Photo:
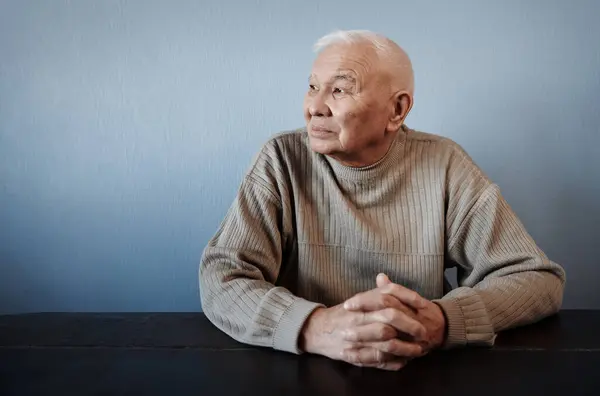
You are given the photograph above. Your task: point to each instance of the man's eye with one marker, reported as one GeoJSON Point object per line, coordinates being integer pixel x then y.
{"type": "Point", "coordinates": [339, 91]}
{"type": "Point", "coordinates": [312, 87]}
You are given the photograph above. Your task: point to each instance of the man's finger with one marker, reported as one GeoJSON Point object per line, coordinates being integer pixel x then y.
{"type": "Point", "coordinates": [365, 356]}
{"type": "Point", "coordinates": [397, 319]}
{"type": "Point", "coordinates": [370, 332]}
{"type": "Point", "coordinates": [382, 280]}
{"type": "Point", "coordinates": [371, 357]}
{"type": "Point", "coordinates": [405, 295]}
{"type": "Point", "coordinates": [399, 348]}
{"type": "Point", "coordinates": [374, 300]}
{"type": "Point", "coordinates": [393, 365]}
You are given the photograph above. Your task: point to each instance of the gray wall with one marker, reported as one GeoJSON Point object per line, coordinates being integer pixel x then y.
{"type": "Point", "coordinates": [125, 128]}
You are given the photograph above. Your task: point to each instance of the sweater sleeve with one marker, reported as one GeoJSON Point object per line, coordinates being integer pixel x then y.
{"type": "Point", "coordinates": [505, 280]}
{"type": "Point", "coordinates": [238, 270]}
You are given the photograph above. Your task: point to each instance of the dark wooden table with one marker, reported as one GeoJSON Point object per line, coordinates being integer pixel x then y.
{"type": "Point", "coordinates": [183, 354]}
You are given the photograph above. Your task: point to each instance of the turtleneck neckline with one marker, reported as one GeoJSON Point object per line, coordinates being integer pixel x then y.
{"type": "Point", "coordinates": [378, 168]}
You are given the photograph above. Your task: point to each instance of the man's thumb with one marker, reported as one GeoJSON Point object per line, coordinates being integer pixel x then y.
{"type": "Point", "coordinates": [382, 280]}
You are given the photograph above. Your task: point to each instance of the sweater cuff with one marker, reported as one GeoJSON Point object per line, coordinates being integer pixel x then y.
{"type": "Point", "coordinates": [291, 323]}
{"type": "Point", "coordinates": [467, 322]}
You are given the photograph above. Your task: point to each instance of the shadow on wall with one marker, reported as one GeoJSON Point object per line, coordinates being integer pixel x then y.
{"type": "Point", "coordinates": [577, 212]}
{"type": "Point", "coordinates": [21, 289]}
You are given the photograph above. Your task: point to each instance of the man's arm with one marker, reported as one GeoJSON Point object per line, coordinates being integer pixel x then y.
{"type": "Point", "coordinates": [237, 275]}
{"type": "Point", "coordinates": [505, 279]}
{"type": "Point", "coordinates": [239, 268]}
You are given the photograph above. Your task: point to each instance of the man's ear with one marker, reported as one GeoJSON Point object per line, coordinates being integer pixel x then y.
{"type": "Point", "coordinates": [402, 101]}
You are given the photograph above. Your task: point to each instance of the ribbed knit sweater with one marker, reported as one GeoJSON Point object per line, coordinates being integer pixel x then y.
{"type": "Point", "coordinates": [305, 231]}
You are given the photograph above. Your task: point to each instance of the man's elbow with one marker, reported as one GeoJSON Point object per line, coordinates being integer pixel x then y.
{"type": "Point", "coordinates": [206, 289]}
{"type": "Point", "coordinates": [555, 287]}
{"type": "Point", "coordinates": [210, 308]}
{"type": "Point", "coordinates": [204, 305]}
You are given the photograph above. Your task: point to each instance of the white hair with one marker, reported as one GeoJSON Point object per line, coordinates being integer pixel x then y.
{"type": "Point", "coordinates": [350, 37]}
{"type": "Point", "coordinates": [387, 50]}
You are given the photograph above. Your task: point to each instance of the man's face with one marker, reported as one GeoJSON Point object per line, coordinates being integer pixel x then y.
{"type": "Point", "coordinates": [347, 106]}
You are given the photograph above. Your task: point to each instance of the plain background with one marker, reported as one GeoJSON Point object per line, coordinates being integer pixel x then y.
{"type": "Point", "coordinates": [126, 127]}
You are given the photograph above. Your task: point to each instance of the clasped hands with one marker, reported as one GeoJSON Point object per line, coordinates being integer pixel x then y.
{"type": "Point", "coordinates": [384, 327]}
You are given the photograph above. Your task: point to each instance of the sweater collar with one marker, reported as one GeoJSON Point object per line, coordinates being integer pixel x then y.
{"type": "Point", "coordinates": [372, 171]}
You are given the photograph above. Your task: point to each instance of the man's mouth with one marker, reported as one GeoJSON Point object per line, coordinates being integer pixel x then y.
{"type": "Point", "coordinates": [318, 131]}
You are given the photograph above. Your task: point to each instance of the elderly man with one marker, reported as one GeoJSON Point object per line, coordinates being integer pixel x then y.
{"type": "Point", "coordinates": [338, 239]}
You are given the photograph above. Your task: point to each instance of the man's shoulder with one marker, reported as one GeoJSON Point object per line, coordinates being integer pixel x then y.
{"type": "Point", "coordinates": [445, 149]}
{"type": "Point", "coordinates": [285, 144]}
{"type": "Point", "coordinates": [279, 151]}
{"type": "Point", "coordinates": [287, 137]}
{"type": "Point", "coordinates": [436, 142]}
{"type": "Point", "coordinates": [448, 153]}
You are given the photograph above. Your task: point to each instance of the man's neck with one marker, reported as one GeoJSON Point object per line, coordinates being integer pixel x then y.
{"type": "Point", "coordinates": [370, 155]}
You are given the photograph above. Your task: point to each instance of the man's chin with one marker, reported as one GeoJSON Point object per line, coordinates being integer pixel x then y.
{"type": "Point", "coordinates": [322, 146]}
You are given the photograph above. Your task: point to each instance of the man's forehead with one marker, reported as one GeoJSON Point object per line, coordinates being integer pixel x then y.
{"type": "Point", "coordinates": [348, 62]}
{"type": "Point", "coordinates": [347, 53]}
{"type": "Point", "coordinates": [338, 74]}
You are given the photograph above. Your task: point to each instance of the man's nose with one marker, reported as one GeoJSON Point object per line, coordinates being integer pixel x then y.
{"type": "Point", "coordinates": [318, 106]}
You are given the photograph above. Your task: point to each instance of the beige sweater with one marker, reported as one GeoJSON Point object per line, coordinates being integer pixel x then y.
{"type": "Point", "coordinates": [306, 231]}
